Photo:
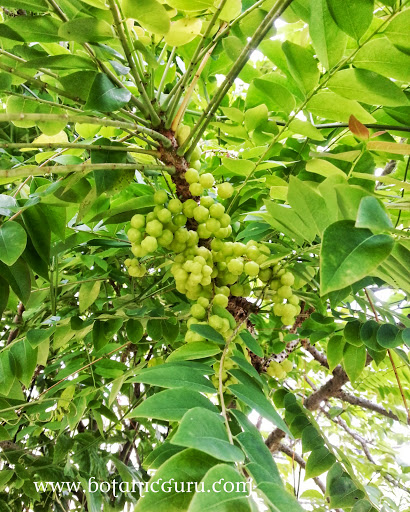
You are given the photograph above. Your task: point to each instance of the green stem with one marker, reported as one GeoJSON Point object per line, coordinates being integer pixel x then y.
{"type": "Point", "coordinates": [41, 85]}
{"type": "Point", "coordinates": [28, 170]}
{"type": "Point", "coordinates": [87, 120]}
{"type": "Point", "coordinates": [237, 67]}
{"type": "Point", "coordinates": [45, 102]}
{"type": "Point", "coordinates": [164, 75]}
{"type": "Point", "coordinates": [193, 62]}
{"type": "Point", "coordinates": [126, 45]}
{"type": "Point", "coordinates": [73, 145]}
{"type": "Point", "coordinates": [23, 61]}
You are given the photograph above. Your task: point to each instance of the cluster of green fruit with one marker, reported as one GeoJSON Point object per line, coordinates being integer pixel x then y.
{"type": "Point", "coordinates": [229, 364]}
{"type": "Point", "coordinates": [279, 370]}
{"type": "Point", "coordinates": [207, 267]}
{"type": "Point", "coordinates": [286, 305]}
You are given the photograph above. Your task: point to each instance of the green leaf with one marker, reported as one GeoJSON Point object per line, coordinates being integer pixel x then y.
{"type": "Point", "coordinates": [205, 431]}
{"type": "Point", "coordinates": [208, 333]}
{"type": "Point", "coordinates": [381, 56]}
{"type": "Point", "coordinates": [186, 466]}
{"type": "Point", "coordinates": [237, 166]}
{"type": "Point", "coordinates": [134, 330]}
{"type": "Point", "coordinates": [398, 30]}
{"type": "Point", "coordinates": [249, 392]}
{"type": "Point", "coordinates": [251, 343]}
{"type": "Point", "coordinates": [105, 97]}
{"type": "Point", "coordinates": [37, 336]}
{"type": "Point", "coordinates": [190, 5]}
{"type": "Point", "coordinates": [305, 128]}
{"type": "Point", "coordinates": [363, 506]}
{"type": "Point", "coordinates": [302, 66]}
{"type": "Point", "coordinates": [319, 461]}
{"type": "Point", "coordinates": [368, 334]}
{"type": "Point", "coordinates": [154, 329]}
{"type": "Point", "coordinates": [60, 62]}
{"type": "Point", "coordinates": [86, 30]}
{"type": "Point", "coordinates": [150, 14]}
{"type": "Point", "coordinates": [367, 87]}
{"type": "Point", "coordinates": [174, 376]}
{"type": "Point", "coordinates": [328, 40]}
{"type": "Point", "coordinates": [88, 294]}
{"type": "Point", "coordinates": [334, 351]}
{"type": "Point", "coordinates": [278, 499]}
{"type": "Point", "coordinates": [4, 294]}
{"type": "Point", "coordinates": [349, 254]}
{"type": "Point", "coordinates": [329, 105]}
{"type": "Point", "coordinates": [223, 499]}
{"type": "Point", "coordinates": [341, 489]}
{"type": "Point", "coordinates": [183, 31]}
{"type": "Point", "coordinates": [372, 215]}
{"type": "Point", "coordinates": [6, 373]}
{"type": "Point", "coordinates": [311, 439]}
{"type": "Point", "coordinates": [171, 404]}
{"type": "Point", "coordinates": [23, 359]}
{"type": "Point", "coordinates": [354, 360]}
{"type": "Point", "coordinates": [324, 168]}
{"type": "Point", "coordinates": [31, 29]}
{"type": "Point", "coordinates": [389, 336]}
{"type": "Point", "coordinates": [110, 181]}
{"type": "Point", "coordinates": [18, 277]}
{"type": "Point", "coordinates": [258, 453]}
{"type": "Point", "coordinates": [255, 116]}
{"type": "Point", "coordinates": [308, 204]}
{"type": "Point", "coordinates": [274, 95]}
{"type": "Point", "coordinates": [351, 333]}
{"type": "Point", "coordinates": [28, 5]}
{"type": "Point", "coordinates": [195, 350]}
{"type": "Point", "coordinates": [13, 240]}
{"type": "Point", "coordinates": [38, 228]}
{"type": "Point", "coordinates": [353, 16]}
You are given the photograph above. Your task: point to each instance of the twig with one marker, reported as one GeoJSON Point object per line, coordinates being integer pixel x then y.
{"type": "Point", "coordinates": [26, 170]}
{"type": "Point", "coordinates": [92, 147]}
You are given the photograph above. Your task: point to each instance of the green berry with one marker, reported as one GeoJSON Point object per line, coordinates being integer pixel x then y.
{"type": "Point", "coordinates": [212, 225]}
{"type": "Point", "coordinates": [196, 153]}
{"type": "Point", "coordinates": [236, 266]}
{"type": "Point", "coordinates": [198, 311]}
{"type": "Point", "coordinates": [251, 268]}
{"type": "Point", "coordinates": [285, 292]}
{"type": "Point", "coordinates": [164, 216]}
{"type": "Point", "coordinates": [160, 197]}
{"type": "Point", "coordinates": [154, 228]}
{"type": "Point", "coordinates": [216, 210]}
{"type": "Point", "coordinates": [189, 207]}
{"type": "Point", "coordinates": [225, 190]}
{"type": "Point", "coordinates": [196, 189]}
{"type": "Point", "coordinates": [201, 214]}
{"type": "Point", "coordinates": [138, 221]}
{"type": "Point", "coordinates": [192, 176]}
{"type": "Point", "coordinates": [287, 279]}
{"type": "Point", "coordinates": [207, 180]}
{"type": "Point", "coordinates": [221, 300]}
{"type": "Point", "coordinates": [204, 302]}
{"type": "Point", "coordinates": [149, 244]}
{"type": "Point", "coordinates": [237, 290]}
{"type": "Point", "coordinates": [180, 220]}
{"type": "Point", "coordinates": [175, 206]}
{"type": "Point", "coordinates": [134, 235]}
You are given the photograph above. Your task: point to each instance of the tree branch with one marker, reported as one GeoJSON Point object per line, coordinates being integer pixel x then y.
{"type": "Point", "coordinates": [365, 404]}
